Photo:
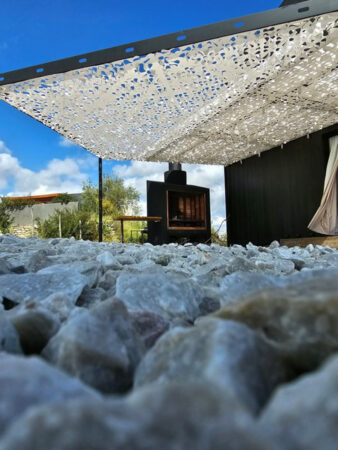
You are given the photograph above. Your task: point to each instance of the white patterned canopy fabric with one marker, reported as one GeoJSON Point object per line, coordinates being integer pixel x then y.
{"type": "Point", "coordinates": [214, 102]}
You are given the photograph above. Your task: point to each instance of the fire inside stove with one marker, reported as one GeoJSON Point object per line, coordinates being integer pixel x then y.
{"type": "Point", "coordinates": [186, 211]}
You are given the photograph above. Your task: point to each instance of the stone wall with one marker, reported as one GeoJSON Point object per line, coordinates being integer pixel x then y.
{"type": "Point", "coordinates": [22, 231]}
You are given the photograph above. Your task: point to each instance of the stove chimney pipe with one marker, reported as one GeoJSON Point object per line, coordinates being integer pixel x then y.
{"type": "Point", "coordinates": [175, 174]}
{"type": "Point", "coordinates": [175, 166]}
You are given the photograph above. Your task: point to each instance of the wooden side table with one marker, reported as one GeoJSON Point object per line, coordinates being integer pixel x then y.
{"type": "Point", "coordinates": [136, 219]}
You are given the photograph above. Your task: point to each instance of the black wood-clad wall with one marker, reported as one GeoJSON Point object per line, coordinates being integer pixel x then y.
{"type": "Point", "coordinates": [274, 196]}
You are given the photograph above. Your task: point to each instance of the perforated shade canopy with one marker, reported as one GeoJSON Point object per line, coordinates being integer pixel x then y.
{"type": "Point", "coordinates": [227, 92]}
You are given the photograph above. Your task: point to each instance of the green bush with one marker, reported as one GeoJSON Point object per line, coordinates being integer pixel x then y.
{"type": "Point", "coordinates": [64, 198]}
{"type": "Point", "coordinates": [118, 199]}
{"type": "Point", "coordinates": [134, 237]}
{"type": "Point", "coordinates": [5, 218]}
{"type": "Point", "coordinates": [8, 206]}
{"type": "Point", "coordinates": [220, 239]}
{"type": "Point", "coordinates": [16, 204]}
{"type": "Point", "coordinates": [72, 221]}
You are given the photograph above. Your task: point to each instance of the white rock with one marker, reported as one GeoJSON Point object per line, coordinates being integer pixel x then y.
{"type": "Point", "coordinates": [34, 324]}
{"type": "Point", "coordinates": [125, 259]}
{"type": "Point", "coordinates": [203, 247]}
{"type": "Point", "coordinates": [219, 353]}
{"type": "Point", "coordinates": [300, 315]}
{"type": "Point", "coordinates": [274, 244]}
{"type": "Point", "coordinates": [99, 346]}
{"type": "Point", "coordinates": [4, 267]}
{"type": "Point", "coordinates": [310, 248]}
{"type": "Point", "coordinates": [164, 294]}
{"type": "Point", "coordinates": [60, 305]}
{"type": "Point", "coordinates": [9, 339]}
{"type": "Point", "coordinates": [88, 269]}
{"type": "Point", "coordinates": [304, 415]}
{"type": "Point", "coordinates": [28, 381]}
{"type": "Point", "coordinates": [108, 261]}
{"type": "Point", "coordinates": [173, 417]}
{"type": "Point", "coordinates": [39, 286]}
{"type": "Point", "coordinates": [239, 284]}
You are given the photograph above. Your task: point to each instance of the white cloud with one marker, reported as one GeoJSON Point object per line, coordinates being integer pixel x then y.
{"type": "Point", "coordinates": [88, 161]}
{"type": "Point", "coordinates": [9, 167]}
{"type": "Point", "coordinates": [60, 175]}
{"type": "Point", "coordinates": [137, 173]}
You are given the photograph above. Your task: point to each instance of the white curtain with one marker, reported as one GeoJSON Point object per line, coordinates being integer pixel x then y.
{"type": "Point", "coordinates": [325, 221]}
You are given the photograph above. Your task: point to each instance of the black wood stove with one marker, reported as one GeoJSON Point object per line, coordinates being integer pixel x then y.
{"type": "Point", "coordinates": [185, 209]}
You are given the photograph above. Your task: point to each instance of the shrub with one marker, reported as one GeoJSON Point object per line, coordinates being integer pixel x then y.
{"type": "Point", "coordinates": [73, 223]}
{"type": "Point", "coordinates": [217, 238]}
{"type": "Point", "coordinates": [64, 198]}
{"type": "Point", "coordinates": [9, 205]}
{"type": "Point", "coordinates": [5, 218]}
{"type": "Point", "coordinates": [136, 238]}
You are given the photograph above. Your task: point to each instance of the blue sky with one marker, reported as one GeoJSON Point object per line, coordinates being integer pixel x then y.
{"type": "Point", "coordinates": [34, 159]}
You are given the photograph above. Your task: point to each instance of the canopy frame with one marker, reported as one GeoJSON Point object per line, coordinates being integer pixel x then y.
{"type": "Point", "coordinates": [283, 14]}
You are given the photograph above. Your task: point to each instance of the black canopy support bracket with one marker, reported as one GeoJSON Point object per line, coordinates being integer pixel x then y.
{"type": "Point", "coordinates": [284, 14]}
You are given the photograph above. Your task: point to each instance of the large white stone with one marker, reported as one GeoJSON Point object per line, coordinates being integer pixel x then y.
{"type": "Point", "coordinates": [220, 353]}
{"type": "Point", "coordinates": [34, 324]}
{"type": "Point", "coordinates": [304, 415]}
{"type": "Point", "coordinates": [88, 269]}
{"type": "Point", "coordinates": [173, 417]}
{"type": "Point", "coordinates": [29, 381]}
{"type": "Point", "coordinates": [167, 295]}
{"type": "Point", "coordinates": [38, 286]}
{"type": "Point", "coordinates": [108, 261]}
{"type": "Point", "coordinates": [100, 346]}
{"type": "Point", "coordinates": [302, 317]}
{"type": "Point", "coordinates": [9, 339]}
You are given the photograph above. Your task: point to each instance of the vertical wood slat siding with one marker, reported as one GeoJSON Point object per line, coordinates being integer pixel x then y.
{"type": "Point", "coordinates": [274, 196]}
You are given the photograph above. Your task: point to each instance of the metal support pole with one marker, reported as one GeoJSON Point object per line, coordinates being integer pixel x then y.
{"type": "Point", "coordinates": [228, 195]}
{"type": "Point", "coordinates": [122, 238]}
{"type": "Point", "coordinates": [100, 200]}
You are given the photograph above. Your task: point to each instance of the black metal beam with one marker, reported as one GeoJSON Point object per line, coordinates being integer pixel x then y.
{"type": "Point", "coordinates": [100, 201]}
{"type": "Point", "coordinates": [302, 10]}
{"type": "Point", "coordinates": [290, 2]}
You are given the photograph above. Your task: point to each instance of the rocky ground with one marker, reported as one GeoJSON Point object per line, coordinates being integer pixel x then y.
{"type": "Point", "coordinates": [112, 346]}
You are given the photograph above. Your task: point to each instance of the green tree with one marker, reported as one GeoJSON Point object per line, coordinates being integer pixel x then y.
{"type": "Point", "coordinates": [118, 199]}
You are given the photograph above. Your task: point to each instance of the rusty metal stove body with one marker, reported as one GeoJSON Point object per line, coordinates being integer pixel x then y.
{"type": "Point", "coordinates": [185, 209]}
